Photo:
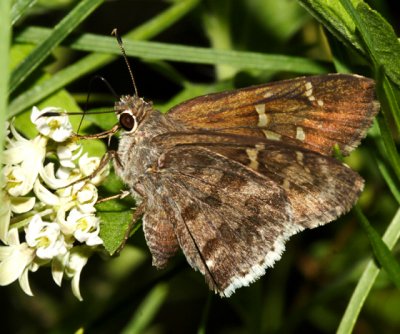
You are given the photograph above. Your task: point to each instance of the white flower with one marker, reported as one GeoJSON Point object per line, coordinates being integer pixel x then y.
{"type": "Point", "coordinates": [44, 195]}
{"type": "Point", "coordinates": [88, 165]}
{"type": "Point", "coordinates": [87, 197]}
{"type": "Point", "coordinates": [11, 205]}
{"type": "Point", "coordinates": [45, 237]}
{"type": "Point", "coordinates": [53, 182]}
{"type": "Point", "coordinates": [68, 152]}
{"type": "Point", "coordinates": [23, 160]}
{"type": "Point", "coordinates": [57, 128]}
{"type": "Point", "coordinates": [22, 204]}
{"type": "Point", "coordinates": [84, 226]}
{"type": "Point", "coordinates": [53, 207]}
{"type": "Point", "coordinates": [77, 260]}
{"type": "Point", "coordinates": [5, 215]}
{"type": "Point", "coordinates": [15, 261]}
{"type": "Point", "coordinates": [58, 266]}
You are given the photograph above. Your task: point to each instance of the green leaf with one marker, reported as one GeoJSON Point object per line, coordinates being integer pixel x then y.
{"type": "Point", "coordinates": [335, 18]}
{"type": "Point", "coordinates": [113, 227]}
{"type": "Point", "coordinates": [378, 37]}
{"type": "Point", "coordinates": [113, 185]}
{"type": "Point", "coordinates": [60, 31]}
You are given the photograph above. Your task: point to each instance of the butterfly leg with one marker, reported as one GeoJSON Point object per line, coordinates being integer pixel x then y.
{"type": "Point", "coordinates": [104, 134]}
{"type": "Point", "coordinates": [121, 195]}
{"type": "Point", "coordinates": [136, 216]}
{"type": "Point", "coordinates": [110, 155]}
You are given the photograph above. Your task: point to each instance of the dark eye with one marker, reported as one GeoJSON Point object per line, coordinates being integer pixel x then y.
{"type": "Point", "coordinates": [128, 121]}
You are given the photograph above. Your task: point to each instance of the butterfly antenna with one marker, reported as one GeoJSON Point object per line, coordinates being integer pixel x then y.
{"type": "Point", "coordinates": [96, 77]}
{"type": "Point", "coordinates": [121, 46]}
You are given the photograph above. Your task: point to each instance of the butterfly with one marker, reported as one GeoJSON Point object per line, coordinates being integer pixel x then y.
{"type": "Point", "coordinates": [229, 177]}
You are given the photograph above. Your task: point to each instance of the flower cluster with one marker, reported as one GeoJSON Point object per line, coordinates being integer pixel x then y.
{"type": "Point", "coordinates": [47, 201]}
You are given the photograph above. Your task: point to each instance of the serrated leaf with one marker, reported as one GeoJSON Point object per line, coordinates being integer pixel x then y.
{"type": "Point", "coordinates": [336, 19]}
{"type": "Point", "coordinates": [113, 227]}
{"type": "Point", "coordinates": [115, 216]}
{"type": "Point", "coordinates": [385, 47]}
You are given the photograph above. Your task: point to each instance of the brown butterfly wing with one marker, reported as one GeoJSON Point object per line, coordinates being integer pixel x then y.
{"type": "Point", "coordinates": [311, 112]}
{"type": "Point", "coordinates": [223, 215]}
{"type": "Point", "coordinates": [227, 211]}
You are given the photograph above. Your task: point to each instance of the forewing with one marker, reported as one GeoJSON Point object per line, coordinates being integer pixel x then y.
{"type": "Point", "coordinates": [311, 112]}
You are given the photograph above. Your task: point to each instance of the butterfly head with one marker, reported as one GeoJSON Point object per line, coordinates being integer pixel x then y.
{"type": "Point", "coordinates": [131, 111]}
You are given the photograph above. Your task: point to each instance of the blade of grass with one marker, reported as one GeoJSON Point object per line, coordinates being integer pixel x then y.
{"type": "Point", "coordinates": [5, 38]}
{"type": "Point", "coordinates": [386, 174]}
{"type": "Point", "coordinates": [60, 31]}
{"type": "Point", "coordinates": [367, 280]}
{"type": "Point", "coordinates": [20, 8]}
{"type": "Point", "coordinates": [93, 61]}
{"type": "Point", "coordinates": [380, 249]}
{"type": "Point", "coordinates": [390, 145]}
{"type": "Point", "coordinates": [174, 52]}
{"type": "Point", "coordinates": [147, 310]}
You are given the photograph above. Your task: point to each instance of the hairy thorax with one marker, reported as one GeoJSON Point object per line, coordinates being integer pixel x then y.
{"type": "Point", "coordinates": [138, 154]}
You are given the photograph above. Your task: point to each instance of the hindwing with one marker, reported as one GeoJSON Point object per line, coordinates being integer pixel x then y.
{"type": "Point", "coordinates": [228, 211]}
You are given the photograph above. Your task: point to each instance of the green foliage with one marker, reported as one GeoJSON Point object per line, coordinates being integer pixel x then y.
{"type": "Point", "coordinates": [311, 288]}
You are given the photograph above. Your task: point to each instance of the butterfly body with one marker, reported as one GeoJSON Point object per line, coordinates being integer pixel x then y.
{"type": "Point", "coordinates": [229, 177]}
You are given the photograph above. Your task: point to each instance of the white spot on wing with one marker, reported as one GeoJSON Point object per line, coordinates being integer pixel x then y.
{"type": "Point", "coordinates": [263, 118]}
{"type": "Point", "coordinates": [309, 88]}
{"type": "Point", "coordinates": [210, 263]}
{"type": "Point", "coordinates": [300, 135]}
{"type": "Point", "coordinates": [272, 135]}
{"type": "Point", "coordinates": [309, 91]}
{"type": "Point", "coordinates": [299, 157]}
{"type": "Point", "coordinates": [252, 153]}
{"type": "Point", "coordinates": [286, 184]}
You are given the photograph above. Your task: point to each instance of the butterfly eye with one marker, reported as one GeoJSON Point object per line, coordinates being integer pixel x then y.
{"type": "Point", "coordinates": [128, 121]}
